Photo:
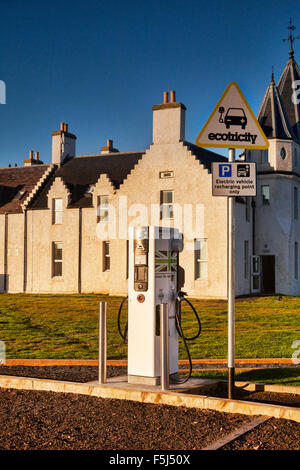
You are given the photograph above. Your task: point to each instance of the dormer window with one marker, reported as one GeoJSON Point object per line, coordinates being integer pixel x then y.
{"type": "Point", "coordinates": [57, 211]}
{"type": "Point", "coordinates": [283, 153]}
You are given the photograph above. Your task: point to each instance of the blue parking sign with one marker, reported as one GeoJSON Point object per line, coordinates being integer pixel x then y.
{"type": "Point", "coordinates": [225, 170]}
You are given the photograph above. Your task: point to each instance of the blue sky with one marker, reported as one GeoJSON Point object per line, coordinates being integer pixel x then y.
{"type": "Point", "coordinates": [100, 66]}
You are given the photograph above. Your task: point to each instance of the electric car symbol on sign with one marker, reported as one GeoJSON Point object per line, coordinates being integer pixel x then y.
{"type": "Point", "coordinates": [235, 117]}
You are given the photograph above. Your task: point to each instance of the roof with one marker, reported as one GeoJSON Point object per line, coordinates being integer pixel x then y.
{"type": "Point", "coordinates": [16, 184]}
{"type": "Point", "coordinates": [272, 115]}
{"type": "Point", "coordinates": [204, 156]}
{"type": "Point", "coordinates": [290, 73]}
{"type": "Point", "coordinates": [80, 172]}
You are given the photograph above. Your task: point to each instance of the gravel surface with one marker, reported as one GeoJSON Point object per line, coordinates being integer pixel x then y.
{"type": "Point", "coordinates": [274, 434]}
{"type": "Point", "coordinates": [67, 373]}
{"type": "Point", "coordinates": [48, 420]}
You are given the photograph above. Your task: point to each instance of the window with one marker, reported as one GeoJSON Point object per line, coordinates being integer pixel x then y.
{"type": "Point", "coordinates": [248, 208]}
{"type": "Point", "coordinates": [57, 207]}
{"type": "Point", "coordinates": [296, 260]}
{"type": "Point", "coordinates": [166, 205]}
{"type": "Point", "coordinates": [283, 153]}
{"type": "Point", "coordinates": [265, 192]}
{"type": "Point", "coordinates": [102, 209]}
{"type": "Point", "coordinates": [246, 259]}
{"type": "Point", "coordinates": [201, 259]}
{"type": "Point", "coordinates": [295, 203]}
{"type": "Point", "coordinates": [56, 259]}
{"type": "Point", "coordinates": [106, 256]}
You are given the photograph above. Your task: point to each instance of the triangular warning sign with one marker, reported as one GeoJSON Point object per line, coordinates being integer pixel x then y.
{"type": "Point", "coordinates": [232, 124]}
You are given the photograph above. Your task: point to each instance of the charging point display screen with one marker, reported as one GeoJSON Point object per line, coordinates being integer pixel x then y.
{"type": "Point", "coordinates": [141, 264]}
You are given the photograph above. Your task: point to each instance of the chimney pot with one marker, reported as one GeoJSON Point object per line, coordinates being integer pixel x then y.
{"type": "Point", "coordinates": [172, 93]}
{"type": "Point", "coordinates": [37, 155]}
{"type": "Point", "coordinates": [166, 97]}
{"type": "Point", "coordinates": [66, 127]}
{"type": "Point", "coordinates": [62, 126]}
{"type": "Point", "coordinates": [109, 143]}
{"type": "Point", "coordinates": [31, 154]}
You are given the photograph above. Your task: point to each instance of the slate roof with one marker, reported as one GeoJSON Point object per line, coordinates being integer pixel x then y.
{"type": "Point", "coordinates": [290, 73]}
{"type": "Point", "coordinates": [272, 115]}
{"type": "Point", "coordinates": [278, 116]}
{"type": "Point", "coordinates": [204, 156]}
{"type": "Point", "coordinates": [83, 171]}
{"type": "Point", "coordinates": [79, 173]}
{"type": "Point", "coordinates": [16, 184]}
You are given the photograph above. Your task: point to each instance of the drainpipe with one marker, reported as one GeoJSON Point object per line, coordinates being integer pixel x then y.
{"type": "Point", "coordinates": [5, 283]}
{"type": "Point", "coordinates": [25, 252]}
{"type": "Point", "coordinates": [253, 226]}
{"type": "Point", "coordinates": [79, 248]}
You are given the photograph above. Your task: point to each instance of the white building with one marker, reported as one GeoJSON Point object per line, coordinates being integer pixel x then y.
{"type": "Point", "coordinates": [50, 213]}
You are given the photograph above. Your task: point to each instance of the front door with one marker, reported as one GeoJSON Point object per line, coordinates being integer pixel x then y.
{"type": "Point", "coordinates": [268, 274]}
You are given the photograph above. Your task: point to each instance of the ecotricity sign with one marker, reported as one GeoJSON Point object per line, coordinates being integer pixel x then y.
{"type": "Point", "coordinates": [232, 124]}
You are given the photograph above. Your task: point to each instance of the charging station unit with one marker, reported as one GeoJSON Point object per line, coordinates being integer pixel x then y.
{"type": "Point", "coordinates": [152, 280]}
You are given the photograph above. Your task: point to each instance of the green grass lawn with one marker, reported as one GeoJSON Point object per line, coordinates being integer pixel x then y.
{"type": "Point", "coordinates": [66, 326]}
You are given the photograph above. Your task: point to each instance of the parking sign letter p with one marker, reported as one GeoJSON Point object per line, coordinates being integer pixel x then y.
{"type": "Point", "coordinates": [225, 171]}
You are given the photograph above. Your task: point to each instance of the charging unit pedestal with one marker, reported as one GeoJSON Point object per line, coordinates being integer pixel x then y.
{"type": "Point", "coordinates": [152, 280]}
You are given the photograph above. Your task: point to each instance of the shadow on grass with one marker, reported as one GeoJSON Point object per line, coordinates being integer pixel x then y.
{"type": "Point", "coordinates": [280, 376]}
{"type": "Point", "coordinates": [284, 376]}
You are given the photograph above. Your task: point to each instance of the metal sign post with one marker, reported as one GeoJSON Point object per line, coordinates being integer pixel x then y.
{"type": "Point", "coordinates": [232, 125]}
{"type": "Point", "coordinates": [231, 286]}
{"type": "Point", "coordinates": [102, 343]}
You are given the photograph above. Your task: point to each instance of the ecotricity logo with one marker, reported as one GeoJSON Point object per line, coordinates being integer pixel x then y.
{"type": "Point", "coordinates": [233, 117]}
{"type": "Point", "coordinates": [2, 92]}
{"type": "Point", "coordinates": [232, 123]}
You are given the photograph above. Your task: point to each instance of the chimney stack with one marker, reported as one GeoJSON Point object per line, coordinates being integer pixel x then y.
{"type": "Point", "coordinates": [168, 120]}
{"type": "Point", "coordinates": [63, 144]}
{"type": "Point", "coordinates": [32, 161]}
{"type": "Point", "coordinates": [172, 95]}
{"type": "Point", "coordinates": [109, 148]}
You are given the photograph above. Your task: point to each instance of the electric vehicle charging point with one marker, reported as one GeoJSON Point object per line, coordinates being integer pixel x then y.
{"type": "Point", "coordinates": [155, 279]}
{"type": "Point", "coordinates": [152, 280]}
{"type": "Point", "coordinates": [154, 325]}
